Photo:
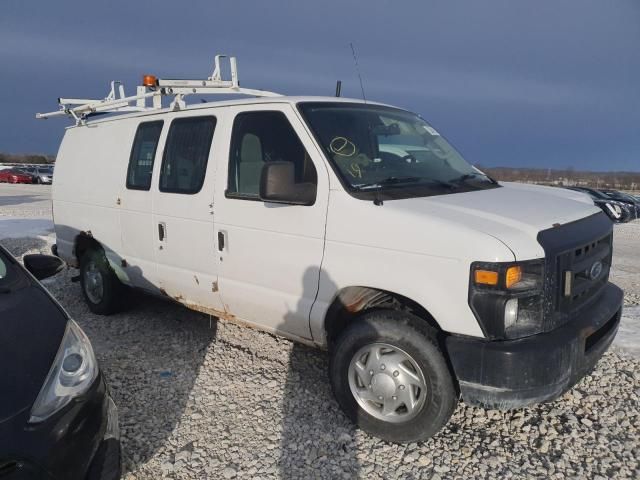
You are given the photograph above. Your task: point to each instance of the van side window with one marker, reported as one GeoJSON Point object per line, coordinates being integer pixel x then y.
{"type": "Point", "coordinates": [184, 163]}
{"type": "Point", "coordinates": [143, 153]}
{"type": "Point", "coordinates": [260, 137]}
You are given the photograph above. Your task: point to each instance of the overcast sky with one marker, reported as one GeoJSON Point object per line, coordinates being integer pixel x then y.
{"type": "Point", "coordinates": [512, 83]}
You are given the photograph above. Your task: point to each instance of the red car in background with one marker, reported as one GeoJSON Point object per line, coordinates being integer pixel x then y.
{"type": "Point", "coordinates": [13, 175]}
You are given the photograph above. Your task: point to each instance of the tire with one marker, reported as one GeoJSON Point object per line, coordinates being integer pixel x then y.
{"type": "Point", "coordinates": [405, 336]}
{"type": "Point", "coordinates": [94, 270]}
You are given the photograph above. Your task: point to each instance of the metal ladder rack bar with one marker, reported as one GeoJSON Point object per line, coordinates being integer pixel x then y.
{"type": "Point", "coordinates": [117, 102]}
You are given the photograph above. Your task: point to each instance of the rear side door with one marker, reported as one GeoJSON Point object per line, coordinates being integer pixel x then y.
{"type": "Point", "coordinates": [183, 221]}
{"type": "Point", "coordinates": [136, 221]}
{"type": "Point", "coordinates": [270, 254]}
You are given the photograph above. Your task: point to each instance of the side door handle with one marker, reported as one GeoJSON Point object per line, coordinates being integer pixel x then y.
{"type": "Point", "coordinates": [162, 231]}
{"type": "Point", "coordinates": [221, 240]}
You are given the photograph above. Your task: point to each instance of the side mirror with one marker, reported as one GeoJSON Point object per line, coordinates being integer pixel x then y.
{"type": "Point", "coordinates": [43, 266]}
{"type": "Point", "coordinates": [277, 184]}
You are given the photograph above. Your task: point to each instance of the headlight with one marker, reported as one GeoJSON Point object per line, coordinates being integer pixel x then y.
{"type": "Point", "coordinates": [72, 373]}
{"type": "Point", "coordinates": [507, 298]}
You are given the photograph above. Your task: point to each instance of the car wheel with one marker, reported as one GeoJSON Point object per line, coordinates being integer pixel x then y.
{"type": "Point", "coordinates": [101, 288]}
{"type": "Point", "coordinates": [390, 377]}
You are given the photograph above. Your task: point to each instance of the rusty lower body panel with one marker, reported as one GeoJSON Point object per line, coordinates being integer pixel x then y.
{"type": "Point", "coordinates": [226, 316]}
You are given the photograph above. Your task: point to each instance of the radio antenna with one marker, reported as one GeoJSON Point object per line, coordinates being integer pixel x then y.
{"type": "Point", "coordinates": [355, 61]}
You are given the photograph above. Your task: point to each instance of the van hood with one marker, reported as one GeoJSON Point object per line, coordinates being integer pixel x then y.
{"type": "Point", "coordinates": [514, 213]}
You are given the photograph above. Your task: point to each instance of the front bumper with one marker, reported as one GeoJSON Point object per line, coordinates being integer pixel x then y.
{"type": "Point", "coordinates": [517, 373]}
{"type": "Point", "coordinates": [81, 442]}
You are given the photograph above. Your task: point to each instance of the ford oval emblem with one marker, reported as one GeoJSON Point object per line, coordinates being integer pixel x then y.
{"type": "Point", "coordinates": [596, 270]}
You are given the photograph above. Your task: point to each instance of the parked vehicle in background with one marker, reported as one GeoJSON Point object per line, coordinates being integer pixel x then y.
{"type": "Point", "coordinates": [44, 175]}
{"type": "Point", "coordinates": [630, 200]}
{"type": "Point", "coordinates": [618, 212]}
{"type": "Point", "coordinates": [15, 175]}
{"type": "Point", "coordinates": [30, 169]}
{"type": "Point", "coordinates": [40, 174]}
{"type": "Point", "coordinates": [351, 226]}
{"type": "Point", "coordinates": [57, 420]}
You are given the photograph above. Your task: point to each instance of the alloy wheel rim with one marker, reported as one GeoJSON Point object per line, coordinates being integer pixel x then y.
{"type": "Point", "coordinates": [93, 284]}
{"type": "Point", "coordinates": [387, 382]}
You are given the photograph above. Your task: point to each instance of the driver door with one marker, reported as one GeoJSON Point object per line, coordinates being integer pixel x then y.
{"type": "Point", "coordinates": [270, 253]}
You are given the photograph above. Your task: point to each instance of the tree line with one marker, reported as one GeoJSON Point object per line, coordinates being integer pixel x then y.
{"type": "Point", "coordinates": [26, 158]}
{"type": "Point", "coordinates": [567, 177]}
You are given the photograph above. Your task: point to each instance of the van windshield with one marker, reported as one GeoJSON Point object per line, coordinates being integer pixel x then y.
{"type": "Point", "coordinates": [384, 149]}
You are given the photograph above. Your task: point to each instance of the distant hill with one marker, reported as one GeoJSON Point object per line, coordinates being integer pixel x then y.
{"type": "Point", "coordinates": [26, 158]}
{"type": "Point", "coordinates": [568, 177]}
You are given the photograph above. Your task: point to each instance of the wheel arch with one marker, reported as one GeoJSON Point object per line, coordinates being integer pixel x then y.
{"type": "Point", "coordinates": [84, 242]}
{"type": "Point", "coordinates": [350, 302]}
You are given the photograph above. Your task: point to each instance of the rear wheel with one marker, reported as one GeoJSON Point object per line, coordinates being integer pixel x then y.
{"type": "Point", "coordinates": [390, 377]}
{"type": "Point", "coordinates": [101, 288]}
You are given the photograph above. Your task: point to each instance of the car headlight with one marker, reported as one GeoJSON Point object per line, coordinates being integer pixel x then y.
{"type": "Point", "coordinates": [72, 373]}
{"type": "Point", "coordinates": [507, 298]}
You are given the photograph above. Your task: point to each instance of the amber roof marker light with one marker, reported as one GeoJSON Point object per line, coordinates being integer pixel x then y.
{"type": "Point", "coordinates": [149, 81]}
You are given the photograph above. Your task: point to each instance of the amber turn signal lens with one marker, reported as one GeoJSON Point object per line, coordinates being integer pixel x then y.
{"type": "Point", "coordinates": [514, 275]}
{"type": "Point", "coordinates": [486, 277]}
{"type": "Point", "coordinates": [149, 81]}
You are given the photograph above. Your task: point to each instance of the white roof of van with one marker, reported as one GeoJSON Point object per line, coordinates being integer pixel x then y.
{"type": "Point", "coordinates": [233, 102]}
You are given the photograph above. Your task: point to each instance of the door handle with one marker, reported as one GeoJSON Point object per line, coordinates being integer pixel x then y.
{"type": "Point", "coordinates": [162, 231]}
{"type": "Point", "coordinates": [221, 239]}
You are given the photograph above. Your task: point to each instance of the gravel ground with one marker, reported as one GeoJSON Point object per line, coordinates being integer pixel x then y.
{"type": "Point", "coordinates": [202, 399]}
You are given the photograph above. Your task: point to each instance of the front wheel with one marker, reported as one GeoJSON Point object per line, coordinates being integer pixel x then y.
{"type": "Point", "coordinates": [101, 288]}
{"type": "Point", "coordinates": [390, 377]}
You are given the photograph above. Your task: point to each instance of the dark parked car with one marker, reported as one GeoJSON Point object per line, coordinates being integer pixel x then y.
{"type": "Point", "coordinates": [15, 175]}
{"type": "Point", "coordinates": [57, 420]}
{"type": "Point", "coordinates": [618, 212]}
{"type": "Point", "coordinates": [630, 200]}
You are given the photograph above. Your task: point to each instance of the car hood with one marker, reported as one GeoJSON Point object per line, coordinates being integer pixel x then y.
{"type": "Point", "coordinates": [32, 326]}
{"type": "Point", "coordinates": [514, 213]}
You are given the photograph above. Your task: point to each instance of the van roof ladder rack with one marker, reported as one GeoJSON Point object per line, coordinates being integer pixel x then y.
{"type": "Point", "coordinates": [155, 88]}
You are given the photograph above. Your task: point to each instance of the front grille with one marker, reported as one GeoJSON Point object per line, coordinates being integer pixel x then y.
{"type": "Point", "coordinates": [576, 285]}
{"type": "Point", "coordinates": [570, 253]}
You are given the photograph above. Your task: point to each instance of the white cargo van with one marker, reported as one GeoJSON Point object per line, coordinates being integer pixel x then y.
{"type": "Point", "coordinates": [351, 226]}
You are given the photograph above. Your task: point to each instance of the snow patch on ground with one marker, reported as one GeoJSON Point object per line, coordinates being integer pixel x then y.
{"type": "Point", "coordinates": [25, 227]}
{"type": "Point", "coordinates": [628, 337]}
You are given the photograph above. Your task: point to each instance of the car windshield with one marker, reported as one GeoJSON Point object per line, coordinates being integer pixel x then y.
{"type": "Point", "coordinates": [621, 195]}
{"type": "Point", "coordinates": [6, 274]}
{"type": "Point", "coordinates": [596, 194]}
{"type": "Point", "coordinates": [379, 148]}
{"type": "Point", "coordinates": [44, 170]}
{"type": "Point", "coordinates": [3, 269]}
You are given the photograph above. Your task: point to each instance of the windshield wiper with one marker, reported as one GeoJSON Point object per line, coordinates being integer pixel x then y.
{"type": "Point", "coordinates": [401, 180]}
{"type": "Point", "coordinates": [471, 176]}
